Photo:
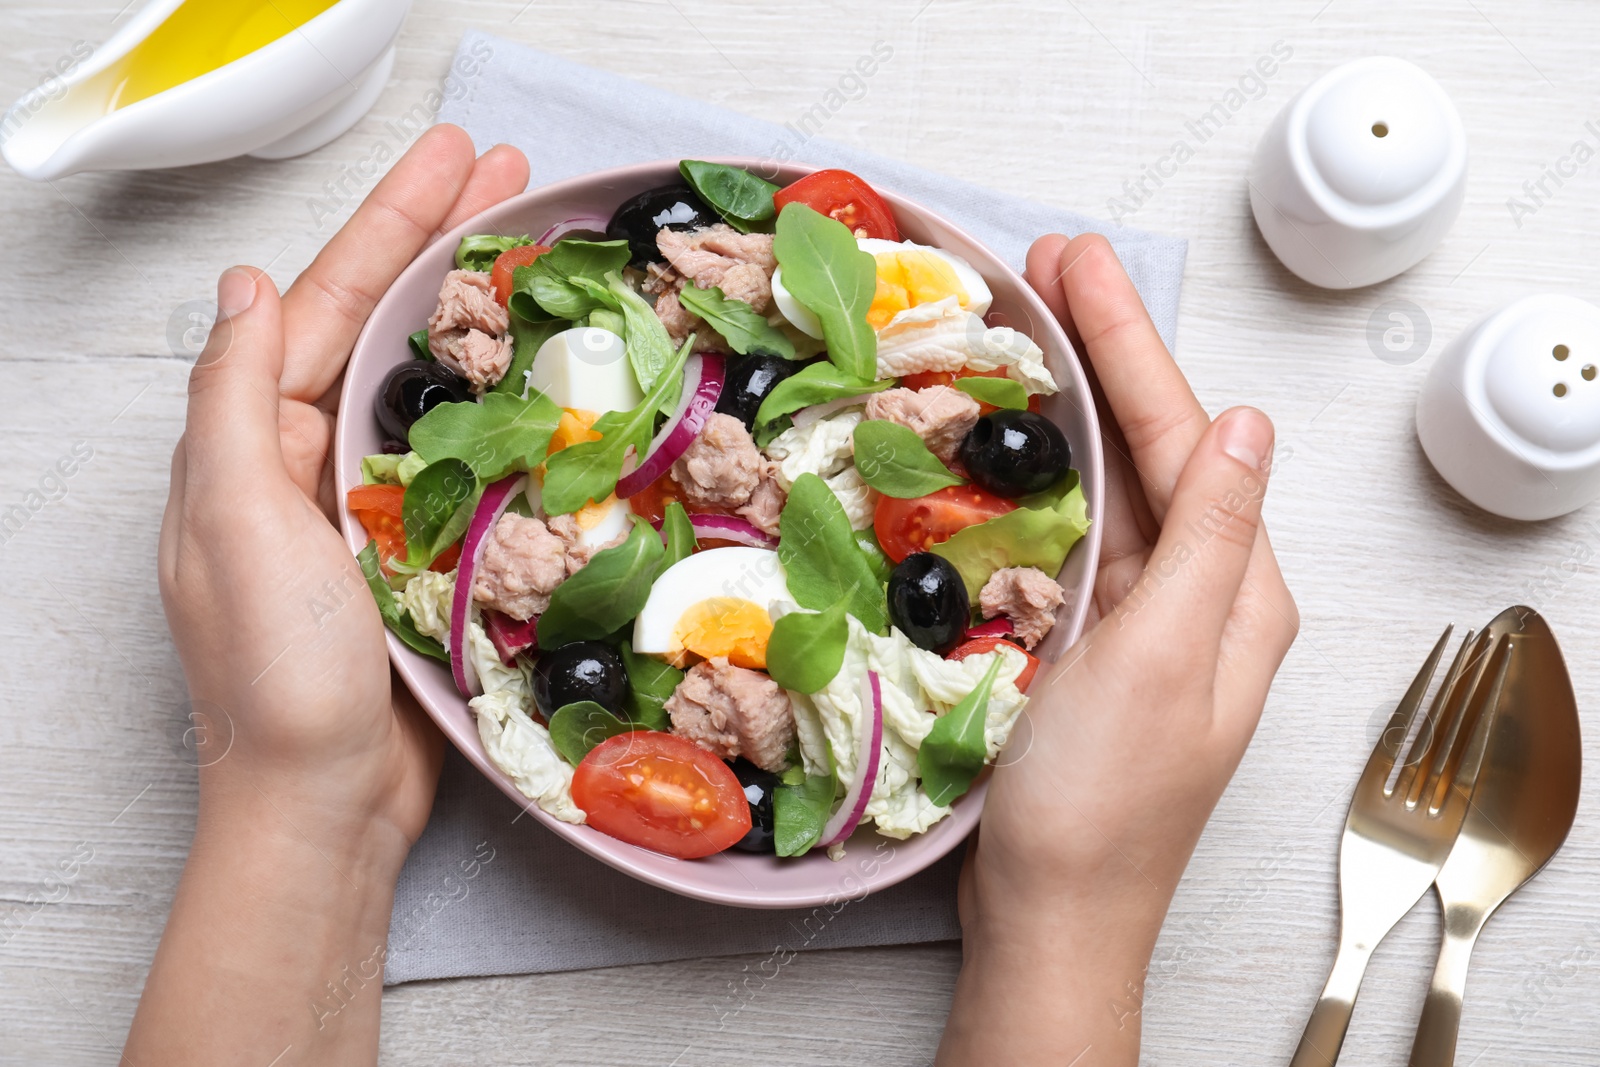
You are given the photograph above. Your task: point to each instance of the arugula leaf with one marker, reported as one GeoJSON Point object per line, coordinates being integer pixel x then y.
{"type": "Point", "coordinates": [893, 460]}
{"type": "Point", "coordinates": [576, 728]}
{"type": "Point", "coordinates": [419, 345]}
{"type": "Point", "coordinates": [821, 562]}
{"type": "Point", "coordinates": [526, 340]}
{"type": "Point", "coordinates": [1039, 533]}
{"type": "Point", "coordinates": [649, 346]}
{"type": "Point", "coordinates": [829, 274]}
{"type": "Point", "coordinates": [548, 286]}
{"type": "Point", "coordinates": [436, 509]}
{"type": "Point", "coordinates": [741, 198]}
{"type": "Point", "coordinates": [650, 684]}
{"type": "Point", "coordinates": [679, 532]}
{"type": "Point", "coordinates": [805, 651]}
{"type": "Point", "coordinates": [815, 383]}
{"type": "Point", "coordinates": [953, 753]}
{"type": "Point", "coordinates": [800, 812]}
{"type": "Point", "coordinates": [1001, 392]}
{"type": "Point", "coordinates": [502, 435]}
{"type": "Point", "coordinates": [746, 331]}
{"type": "Point", "coordinates": [589, 470]}
{"type": "Point", "coordinates": [882, 566]}
{"type": "Point", "coordinates": [479, 251]}
{"type": "Point", "coordinates": [606, 594]}
{"type": "Point", "coordinates": [394, 616]}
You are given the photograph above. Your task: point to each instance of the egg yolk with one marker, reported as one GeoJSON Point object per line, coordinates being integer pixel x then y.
{"type": "Point", "coordinates": [906, 279]}
{"type": "Point", "coordinates": [575, 427]}
{"type": "Point", "coordinates": [726, 626]}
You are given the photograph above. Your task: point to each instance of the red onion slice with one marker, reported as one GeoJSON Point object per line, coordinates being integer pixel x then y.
{"type": "Point", "coordinates": [869, 748]}
{"type": "Point", "coordinates": [999, 626]}
{"type": "Point", "coordinates": [510, 636]}
{"type": "Point", "coordinates": [702, 385]}
{"type": "Point", "coordinates": [491, 506]}
{"type": "Point", "coordinates": [731, 528]}
{"type": "Point", "coordinates": [817, 412]}
{"type": "Point", "coordinates": [586, 224]}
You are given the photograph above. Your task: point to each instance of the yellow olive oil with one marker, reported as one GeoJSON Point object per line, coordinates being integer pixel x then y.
{"type": "Point", "coordinates": [199, 37]}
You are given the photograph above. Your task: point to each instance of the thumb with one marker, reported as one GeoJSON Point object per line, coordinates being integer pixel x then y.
{"type": "Point", "coordinates": [232, 421]}
{"type": "Point", "coordinates": [1208, 535]}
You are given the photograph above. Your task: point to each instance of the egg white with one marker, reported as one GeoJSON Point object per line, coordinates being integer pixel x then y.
{"type": "Point", "coordinates": [747, 573]}
{"type": "Point", "coordinates": [979, 296]}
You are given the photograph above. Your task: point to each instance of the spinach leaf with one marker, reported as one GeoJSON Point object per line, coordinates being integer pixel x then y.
{"type": "Point", "coordinates": [821, 562]}
{"type": "Point", "coordinates": [894, 461]}
{"type": "Point", "coordinates": [548, 286]}
{"type": "Point", "coordinates": [1039, 533]}
{"type": "Point", "coordinates": [576, 728]}
{"type": "Point", "coordinates": [606, 594]}
{"type": "Point", "coordinates": [1001, 392]}
{"type": "Point", "coordinates": [805, 651]}
{"type": "Point", "coordinates": [740, 197]}
{"type": "Point", "coordinates": [394, 616]}
{"type": "Point", "coordinates": [746, 331]}
{"type": "Point", "coordinates": [419, 345]}
{"type": "Point", "coordinates": [679, 532]}
{"type": "Point", "coordinates": [815, 383]}
{"type": "Point", "coordinates": [479, 251]}
{"type": "Point", "coordinates": [800, 812]}
{"type": "Point", "coordinates": [952, 754]}
{"type": "Point", "coordinates": [648, 344]}
{"type": "Point", "coordinates": [500, 436]}
{"type": "Point", "coordinates": [882, 566]}
{"type": "Point", "coordinates": [829, 274]}
{"type": "Point", "coordinates": [589, 470]}
{"type": "Point", "coordinates": [651, 684]}
{"type": "Point", "coordinates": [526, 339]}
{"type": "Point", "coordinates": [436, 509]}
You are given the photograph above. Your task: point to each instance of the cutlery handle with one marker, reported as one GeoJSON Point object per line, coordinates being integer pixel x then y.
{"type": "Point", "coordinates": [1324, 1034]}
{"type": "Point", "coordinates": [1435, 1043]}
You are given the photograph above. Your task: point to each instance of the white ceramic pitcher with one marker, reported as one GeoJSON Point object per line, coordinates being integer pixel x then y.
{"type": "Point", "coordinates": [285, 98]}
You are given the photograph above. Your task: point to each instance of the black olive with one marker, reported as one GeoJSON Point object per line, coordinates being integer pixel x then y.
{"type": "Point", "coordinates": [412, 390]}
{"type": "Point", "coordinates": [759, 787]}
{"type": "Point", "coordinates": [674, 207]}
{"type": "Point", "coordinates": [749, 381]}
{"type": "Point", "coordinates": [928, 601]}
{"type": "Point", "coordinates": [1013, 453]}
{"type": "Point", "coordinates": [582, 670]}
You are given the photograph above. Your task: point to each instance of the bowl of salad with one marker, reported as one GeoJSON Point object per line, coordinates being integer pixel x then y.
{"type": "Point", "coordinates": [723, 517]}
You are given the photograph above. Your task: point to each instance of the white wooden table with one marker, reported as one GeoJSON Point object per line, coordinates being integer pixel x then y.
{"type": "Point", "coordinates": [1067, 103]}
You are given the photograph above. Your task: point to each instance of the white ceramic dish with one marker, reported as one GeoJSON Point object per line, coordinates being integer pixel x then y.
{"type": "Point", "coordinates": [737, 878]}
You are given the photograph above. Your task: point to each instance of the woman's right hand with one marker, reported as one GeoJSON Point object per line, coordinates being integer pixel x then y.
{"type": "Point", "coordinates": [1130, 739]}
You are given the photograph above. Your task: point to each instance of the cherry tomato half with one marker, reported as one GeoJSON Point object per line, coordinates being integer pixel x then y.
{"type": "Point", "coordinates": [379, 509]}
{"type": "Point", "coordinates": [841, 195]}
{"type": "Point", "coordinates": [916, 525]}
{"type": "Point", "coordinates": [926, 378]}
{"type": "Point", "coordinates": [988, 644]}
{"type": "Point", "coordinates": [508, 261]}
{"type": "Point", "coordinates": [663, 793]}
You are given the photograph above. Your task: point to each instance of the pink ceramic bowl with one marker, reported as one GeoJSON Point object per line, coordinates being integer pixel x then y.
{"type": "Point", "coordinates": [736, 878]}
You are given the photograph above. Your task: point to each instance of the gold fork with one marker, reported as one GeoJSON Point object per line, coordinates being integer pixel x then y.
{"type": "Point", "coordinates": [1398, 835]}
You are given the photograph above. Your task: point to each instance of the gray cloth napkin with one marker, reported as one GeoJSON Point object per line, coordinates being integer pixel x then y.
{"type": "Point", "coordinates": [488, 890]}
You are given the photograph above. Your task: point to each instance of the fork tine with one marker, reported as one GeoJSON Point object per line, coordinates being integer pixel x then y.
{"type": "Point", "coordinates": [1381, 762]}
{"type": "Point", "coordinates": [1427, 736]}
{"type": "Point", "coordinates": [1461, 770]}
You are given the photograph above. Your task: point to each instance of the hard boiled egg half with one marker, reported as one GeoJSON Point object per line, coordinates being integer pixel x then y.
{"type": "Point", "coordinates": [713, 603]}
{"type": "Point", "coordinates": [908, 274]}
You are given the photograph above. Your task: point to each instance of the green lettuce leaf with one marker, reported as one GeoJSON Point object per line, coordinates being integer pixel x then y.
{"type": "Point", "coordinates": [827, 272]}
{"type": "Point", "coordinates": [741, 198]}
{"type": "Point", "coordinates": [502, 435]}
{"type": "Point", "coordinates": [606, 594]}
{"type": "Point", "coordinates": [815, 383]}
{"type": "Point", "coordinates": [651, 684]}
{"type": "Point", "coordinates": [806, 650]}
{"type": "Point", "coordinates": [800, 812]}
{"type": "Point", "coordinates": [479, 251]}
{"type": "Point", "coordinates": [953, 753]}
{"type": "Point", "coordinates": [1001, 392]}
{"type": "Point", "coordinates": [1039, 533]}
{"type": "Point", "coordinates": [821, 562]}
{"type": "Point", "coordinates": [576, 728]}
{"type": "Point", "coordinates": [746, 331]}
{"type": "Point", "coordinates": [894, 461]}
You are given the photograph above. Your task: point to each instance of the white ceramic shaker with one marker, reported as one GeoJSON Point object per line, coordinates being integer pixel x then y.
{"type": "Point", "coordinates": [1360, 175]}
{"type": "Point", "coordinates": [1510, 412]}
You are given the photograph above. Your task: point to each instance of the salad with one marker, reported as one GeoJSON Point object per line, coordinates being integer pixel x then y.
{"type": "Point", "coordinates": [733, 520]}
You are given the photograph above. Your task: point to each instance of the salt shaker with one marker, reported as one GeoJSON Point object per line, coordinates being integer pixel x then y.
{"type": "Point", "coordinates": [1510, 412]}
{"type": "Point", "coordinates": [1360, 175]}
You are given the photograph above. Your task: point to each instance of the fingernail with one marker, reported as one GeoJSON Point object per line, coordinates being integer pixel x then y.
{"type": "Point", "coordinates": [236, 291]}
{"type": "Point", "coordinates": [1247, 437]}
